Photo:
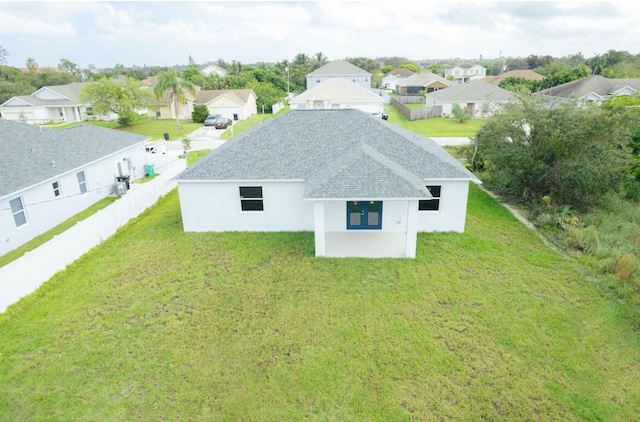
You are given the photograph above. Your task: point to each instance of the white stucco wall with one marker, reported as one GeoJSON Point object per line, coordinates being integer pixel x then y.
{"type": "Point", "coordinates": [394, 216]}
{"type": "Point", "coordinates": [453, 208]}
{"type": "Point", "coordinates": [45, 211]}
{"type": "Point", "coordinates": [210, 206]}
{"type": "Point", "coordinates": [369, 108]}
{"type": "Point", "coordinates": [362, 80]}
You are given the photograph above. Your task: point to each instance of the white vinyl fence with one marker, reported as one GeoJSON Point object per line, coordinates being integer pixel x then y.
{"type": "Point", "coordinates": [24, 275]}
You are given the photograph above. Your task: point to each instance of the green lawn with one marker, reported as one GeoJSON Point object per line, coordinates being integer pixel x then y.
{"type": "Point", "coordinates": [242, 125]}
{"type": "Point", "coordinates": [155, 128]}
{"type": "Point", "coordinates": [62, 227]}
{"type": "Point", "coordinates": [159, 324]}
{"type": "Point", "coordinates": [436, 127]}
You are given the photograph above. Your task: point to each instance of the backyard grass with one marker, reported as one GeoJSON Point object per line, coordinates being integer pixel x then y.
{"type": "Point", "coordinates": [62, 227]}
{"type": "Point", "coordinates": [159, 324]}
{"type": "Point", "coordinates": [435, 127]}
{"type": "Point", "coordinates": [155, 128]}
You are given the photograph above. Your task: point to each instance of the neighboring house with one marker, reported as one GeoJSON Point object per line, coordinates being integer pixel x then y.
{"type": "Point", "coordinates": [526, 74]}
{"type": "Point", "coordinates": [592, 89]}
{"type": "Point", "coordinates": [427, 82]}
{"type": "Point", "coordinates": [465, 72]}
{"type": "Point", "coordinates": [213, 69]}
{"type": "Point", "coordinates": [236, 104]}
{"type": "Point", "coordinates": [477, 98]}
{"type": "Point", "coordinates": [338, 93]}
{"type": "Point", "coordinates": [339, 69]}
{"type": "Point", "coordinates": [390, 79]}
{"type": "Point", "coordinates": [164, 107]}
{"type": "Point", "coordinates": [49, 175]}
{"type": "Point", "coordinates": [58, 103]}
{"type": "Point", "coordinates": [364, 186]}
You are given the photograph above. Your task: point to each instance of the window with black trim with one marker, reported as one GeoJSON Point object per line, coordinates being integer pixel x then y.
{"type": "Point", "coordinates": [251, 198]}
{"type": "Point", "coordinates": [57, 191]}
{"type": "Point", "coordinates": [17, 209]}
{"type": "Point", "coordinates": [431, 204]}
{"type": "Point", "coordinates": [82, 182]}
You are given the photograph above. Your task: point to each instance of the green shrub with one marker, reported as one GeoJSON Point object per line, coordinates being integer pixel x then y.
{"type": "Point", "coordinates": [200, 112]}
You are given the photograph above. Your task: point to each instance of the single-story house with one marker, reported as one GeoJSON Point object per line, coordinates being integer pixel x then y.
{"type": "Point", "coordinates": [477, 98]}
{"type": "Point", "coordinates": [339, 69]}
{"type": "Point", "coordinates": [213, 69]}
{"type": "Point", "coordinates": [364, 186]}
{"type": "Point", "coordinates": [465, 72]}
{"type": "Point", "coordinates": [526, 74]}
{"type": "Point", "coordinates": [389, 80]}
{"type": "Point", "coordinates": [427, 82]}
{"type": "Point", "coordinates": [49, 175]}
{"type": "Point", "coordinates": [57, 103]}
{"type": "Point", "coordinates": [592, 89]}
{"type": "Point", "coordinates": [164, 108]}
{"type": "Point", "coordinates": [236, 104]}
{"type": "Point", "coordinates": [338, 93]}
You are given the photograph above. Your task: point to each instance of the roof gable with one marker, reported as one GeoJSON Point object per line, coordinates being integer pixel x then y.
{"type": "Point", "coordinates": [314, 145]}
{"type": "Point", "coordinates": [473, 91]}
{"type": "Point", "coordinates": [338, 68]}
{"type": "Point", "coordinates": [240, 96]}
{"type": "Point", "coordinates": [337, 90]}
{"type": "Point", "coordinates": [21, 101]}
{"type": "Point", "coordinates": [70, 92]}
{"type": "Point", "coordinates": [33, 154]}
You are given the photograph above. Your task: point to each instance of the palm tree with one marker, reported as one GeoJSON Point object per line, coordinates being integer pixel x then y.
{"type": "Point", "coordinates": [170, 84]}
{"type": "Point", "coordinates": [32, 65]}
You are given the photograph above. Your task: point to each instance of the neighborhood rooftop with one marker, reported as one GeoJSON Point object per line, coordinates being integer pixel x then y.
{"type": "Point", "coordinates": [338, 67]}
{"type": "Point", "coordinates": [33, 154]}
{"type": "Point", "coordinates": [473, 91]}
{"type": "Point", "coordinates": [339, 153]}
{"type": "Point", "coordinates": [594, 83]}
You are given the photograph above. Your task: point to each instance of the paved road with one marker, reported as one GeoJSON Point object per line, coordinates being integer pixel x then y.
{"type": "Point", "coordinates": [206, 137]}
{"type": "Point", "coordinates": [452, 141]}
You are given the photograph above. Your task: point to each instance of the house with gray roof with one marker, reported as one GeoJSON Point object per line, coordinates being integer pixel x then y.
{"type": "Point", "coordinates": [477, 98]}
{"type": "Point", "coordinates": [339, 69]}
{"type": "Point", "coordinates": [235, 104]}
{"type": "Point", "coordinates": [338, 93]}
{"type": "Point", "coordinates": [49, 175]}
{"type": "Point", "coordinates": [592, 89]}
{"type": "Point", "coordinates": [364, 186]}
{"type": "Point", "coordinates": [58, 103]}
{"type": "Point", "coordinates": [390, 79]}
{"type": "Point", "coordinates": [427, 82]}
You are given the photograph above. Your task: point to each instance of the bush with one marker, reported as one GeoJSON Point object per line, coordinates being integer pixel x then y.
{"type": "Point", "coordinates": [200, 112]}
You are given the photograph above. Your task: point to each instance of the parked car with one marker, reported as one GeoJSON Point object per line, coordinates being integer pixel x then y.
{"type": "Point", "coordinates": [222, 123]}
{"type": "Point", "coordinates": [211, 120]}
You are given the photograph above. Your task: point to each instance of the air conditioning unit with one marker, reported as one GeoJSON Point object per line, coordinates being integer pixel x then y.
{"type": "Point", "coordinates": [120, 188]}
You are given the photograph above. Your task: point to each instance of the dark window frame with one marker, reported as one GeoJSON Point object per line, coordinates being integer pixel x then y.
{"type": "Point", "coordinates": [431, 204]}
{"type": "Point", "coordinates": [251, 198]}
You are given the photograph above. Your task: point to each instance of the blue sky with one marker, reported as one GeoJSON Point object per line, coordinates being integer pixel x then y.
{"type": "Point", "coordinates": [165, 33]}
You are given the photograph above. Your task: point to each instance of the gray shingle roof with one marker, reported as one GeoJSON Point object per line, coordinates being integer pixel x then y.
{"type": "Point", "coordinates": [339, 153]}
{"type": "Point", "coordinates": [423, 79]}
{"type": "Point", "coordinates": [338, 67]}
{"type": "Point", "coordinates": [32, 154]}
{"type": "Point", "coordinates": [338, 90]}
{"type": "Point", "coordinates": [594, 83]}
{"type": "Point", "coordinates": [473, 91]}
{"type": "Point", "coordinates": [239, 95]}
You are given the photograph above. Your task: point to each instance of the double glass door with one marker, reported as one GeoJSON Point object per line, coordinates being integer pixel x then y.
{"type": "Point", "coordinates": [364, 215]}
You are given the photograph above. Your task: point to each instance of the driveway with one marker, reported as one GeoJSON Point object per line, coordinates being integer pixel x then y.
{"type": "Point", "coordinates": [205, 137]}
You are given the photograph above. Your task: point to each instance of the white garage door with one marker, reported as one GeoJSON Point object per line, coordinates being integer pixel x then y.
{"type": "Point", "coordinates": [226, 112]}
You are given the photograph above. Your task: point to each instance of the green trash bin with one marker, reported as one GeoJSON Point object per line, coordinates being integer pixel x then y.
{"type": "Point", "coordinates": [148, 168]}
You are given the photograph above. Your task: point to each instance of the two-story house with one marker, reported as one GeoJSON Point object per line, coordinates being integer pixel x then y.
{"type": "Point", "coordinates": [465, 72]}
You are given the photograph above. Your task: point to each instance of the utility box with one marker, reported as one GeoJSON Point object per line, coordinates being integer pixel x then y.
{"type": "Point", "coordinates": [120, 188]}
